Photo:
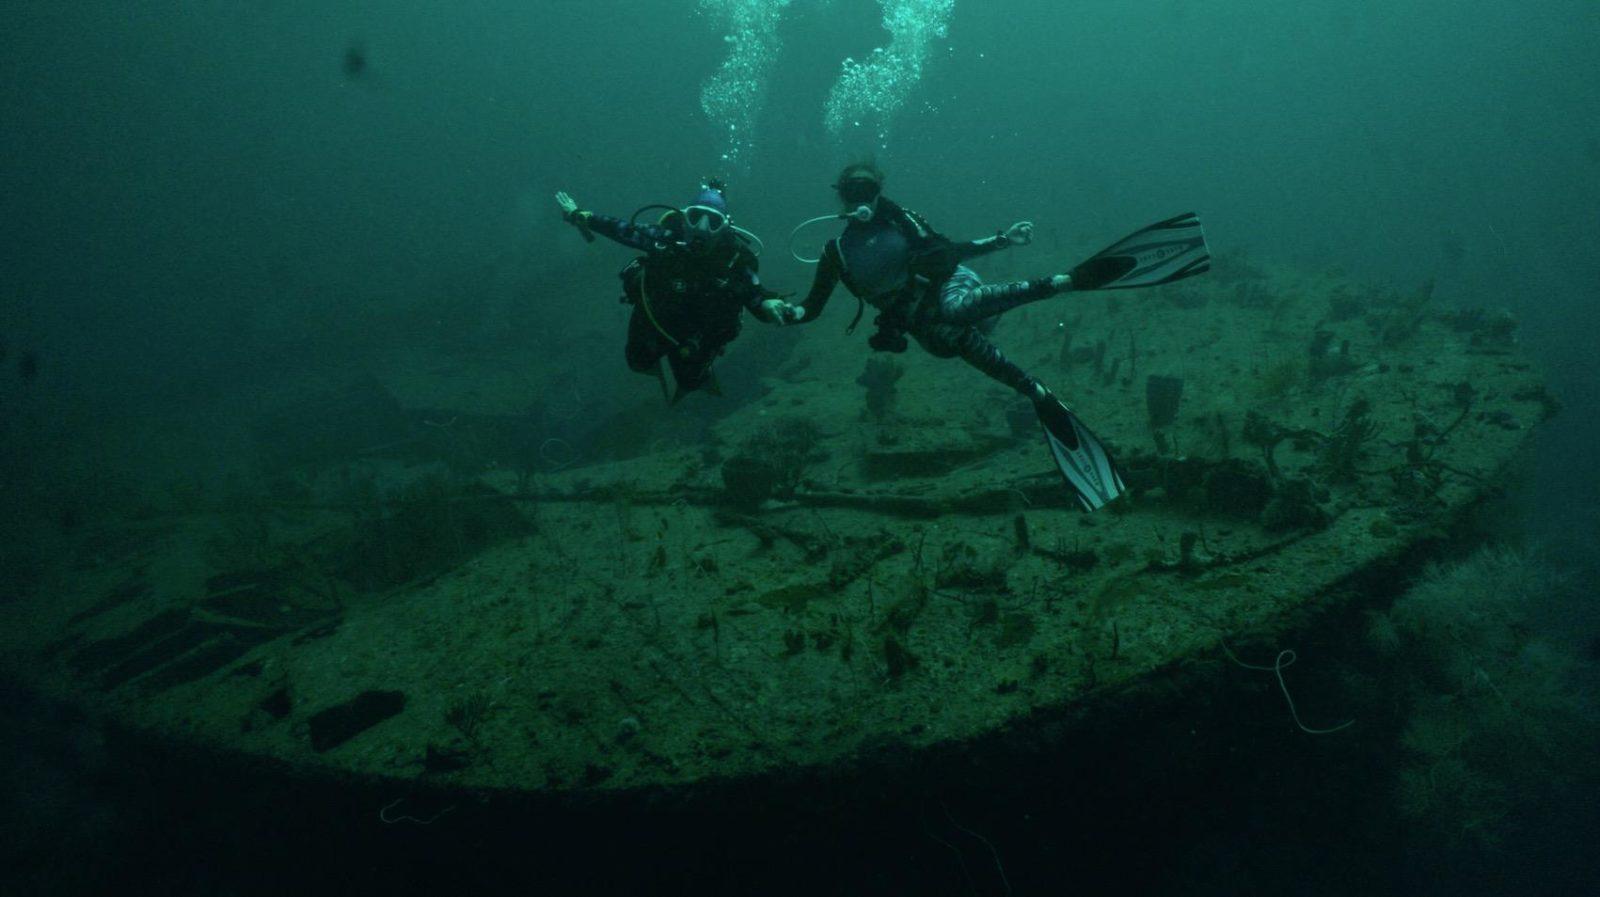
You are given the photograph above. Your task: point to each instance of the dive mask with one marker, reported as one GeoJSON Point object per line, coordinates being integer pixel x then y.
{"type": "Point", "coordinates": [705, 220]}
{"type": "Point", "coordinates": [858, 190]}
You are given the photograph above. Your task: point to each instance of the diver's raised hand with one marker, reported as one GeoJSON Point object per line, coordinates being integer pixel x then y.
{"type": "Point", "coordinates": [569, 206]}
{"type": "Point", "coordinates": [1019, 234]}
{"type": "Point", "coordinates": [574, 216]}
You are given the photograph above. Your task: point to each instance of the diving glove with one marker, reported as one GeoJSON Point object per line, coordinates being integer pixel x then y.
{"type": "Point", "coordinates": [1019, 234]}
{"type": "Point", "coordinates": [570, 212]}
{"type": "Point", "coordinates": [569, 206]}
{"type": "Point", "coordinates": [777, 311]}
{"type": "Point", "coordinates": [573, 215]}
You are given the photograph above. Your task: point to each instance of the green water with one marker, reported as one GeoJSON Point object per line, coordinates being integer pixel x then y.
{"type": "Point", "coordinates": [214, 208]}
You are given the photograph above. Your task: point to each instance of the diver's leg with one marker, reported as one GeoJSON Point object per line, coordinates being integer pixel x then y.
{"type": "Point", "coordinates": [690, 372]}
{"type": "Point", "coordinates": [966, 299]}
{"type": "Point", "coordinates": [644, 349]}
{"type": "Point", "coordinates": [974, 348]}
{"type": "Point", "coordinates": [712, 334]}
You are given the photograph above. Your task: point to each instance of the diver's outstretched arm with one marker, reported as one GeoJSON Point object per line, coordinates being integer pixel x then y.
{"type": "Point", "coordinates": [1019, 234]}
{"type": "Point", "coordinates": [765, 305]}
{"type": "Point", "coordinates": [822, 287]}
{"type": "Point", "coordinates": [633, 236]}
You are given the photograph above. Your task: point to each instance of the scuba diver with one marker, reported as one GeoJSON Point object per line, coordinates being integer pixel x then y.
{"type": "Point", "coordinates": [890, 258]}
{"type": "Point", "coordinates": [697, 273]}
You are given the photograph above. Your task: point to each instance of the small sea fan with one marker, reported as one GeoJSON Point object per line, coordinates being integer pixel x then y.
{"type": "Point", "coordinates": [1382, 635]}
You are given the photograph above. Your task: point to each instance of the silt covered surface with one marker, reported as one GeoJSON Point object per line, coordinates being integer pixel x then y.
{"type": "Point", "coordinates": [874, 558]}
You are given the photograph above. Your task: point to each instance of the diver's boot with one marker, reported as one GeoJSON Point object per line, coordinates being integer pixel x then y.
{"type": "Point", "coordinates": [1037, 392]}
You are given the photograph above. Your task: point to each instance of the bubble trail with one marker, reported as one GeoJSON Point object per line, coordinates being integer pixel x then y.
{"type": "Point", "coordinates": [869, 92]}
{"type": "Point", "coordinates": [733, 98]}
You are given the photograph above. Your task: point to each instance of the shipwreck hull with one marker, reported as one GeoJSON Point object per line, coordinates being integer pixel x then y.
{"type": "Point", "coordinates": [848, 572]}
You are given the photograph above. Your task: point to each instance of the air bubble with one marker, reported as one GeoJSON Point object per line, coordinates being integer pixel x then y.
{"type": "Point", "coordinates": [875, 90]}
{"type": "Point", "coordinates": [737, 92]}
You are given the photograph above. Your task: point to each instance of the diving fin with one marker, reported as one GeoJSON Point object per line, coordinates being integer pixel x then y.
{"type": "Point", "coordinates": [669, 381]}
{"type": "Point", "coordinates": [1161, 253]}
{"type": "Point", "coordinates": [1084, 462]}
{"type": "Point", "coordinates": [708, 385]}
{"type": "Point", "coordinates": [674, 387]}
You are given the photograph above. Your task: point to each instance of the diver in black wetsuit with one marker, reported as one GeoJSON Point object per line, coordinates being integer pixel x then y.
{"type": "Point", "coordinates": [699, 271]}
{"type": "Point", "coordinates": [890, 258]}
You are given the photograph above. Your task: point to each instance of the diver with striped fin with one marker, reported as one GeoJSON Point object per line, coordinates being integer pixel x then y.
{"type": "Point", "coordinates": [698, 272]}
{"type": "Point", "coordinates": [890, 258]}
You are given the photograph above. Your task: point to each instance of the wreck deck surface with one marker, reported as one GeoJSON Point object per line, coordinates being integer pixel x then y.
{"type": "Point", "coordinates": [816, 582]}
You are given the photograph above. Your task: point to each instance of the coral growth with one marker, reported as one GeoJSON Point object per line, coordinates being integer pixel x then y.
{"type": "Point", "coordinates": [879, 378]}
{"type": "Point", "coordinates": [1279, 379]}
{"type": "Point", "coordinates": [1397, 318]}
{"type": "Point", "coordinates": [1343, 449]}
{"type": "Point", "coordinates": [969, 566]}
{"type": "Point", "coordinates": [772, 462]}
{"type": "Point", "coordinates": [1493, 711]}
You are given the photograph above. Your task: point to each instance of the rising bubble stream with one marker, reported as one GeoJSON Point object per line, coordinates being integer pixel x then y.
{"type": "Point", "coordinates": [733, 97]}
{"type": "Point", "coordinates": [870, 91]}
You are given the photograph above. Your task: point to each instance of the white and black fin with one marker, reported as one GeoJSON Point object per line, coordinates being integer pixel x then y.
{"type": "Point", "coordinates": [1161, 253]}
{"type": "Point", "coordinates": [1084, 462]}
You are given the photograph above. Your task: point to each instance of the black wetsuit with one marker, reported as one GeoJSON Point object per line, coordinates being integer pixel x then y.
{"type": "Point", "coordinates": [686, 299]}
{"type": "Point", "coordinates": [914, 277]}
